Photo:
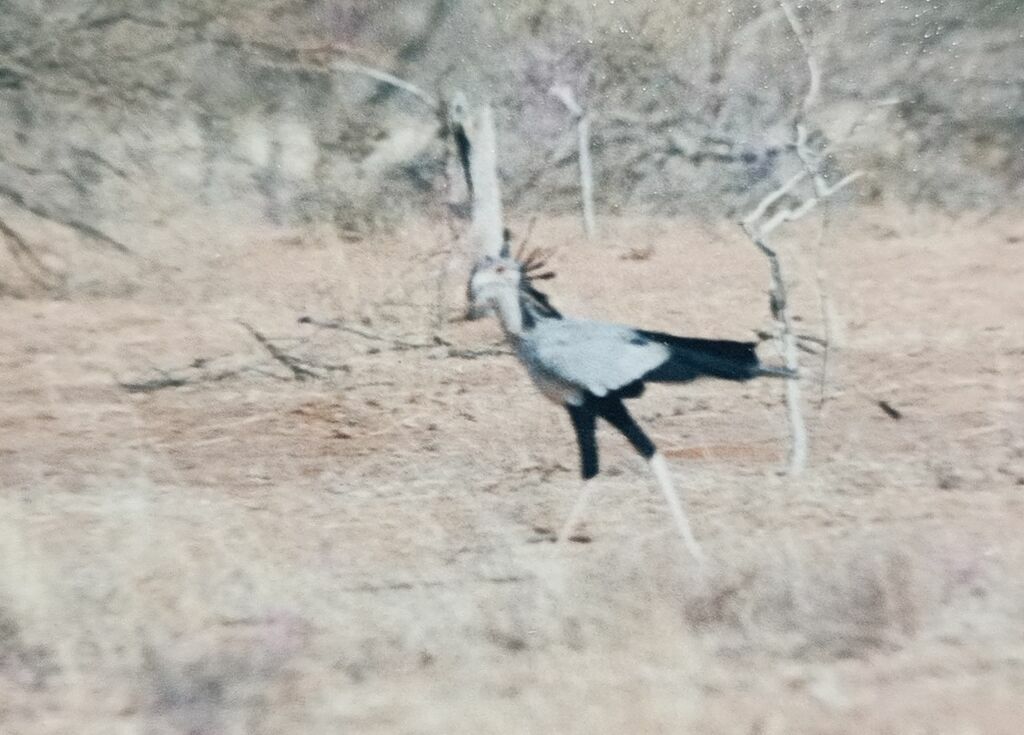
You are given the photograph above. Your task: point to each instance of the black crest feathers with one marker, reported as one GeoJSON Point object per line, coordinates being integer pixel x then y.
{"type": "Point", "coordinates": [533, 268]}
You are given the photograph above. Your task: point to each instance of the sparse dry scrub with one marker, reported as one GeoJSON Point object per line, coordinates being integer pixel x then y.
{"type": "Point", "coordinates": [364, 550]}
{"type": "Point", "coordinates": [257, 476]}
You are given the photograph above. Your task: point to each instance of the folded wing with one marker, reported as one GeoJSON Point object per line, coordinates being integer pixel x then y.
{"type": "Point", "coordinates": [603, 358]}
{"type": "Point", "coordinates": [593, 356]}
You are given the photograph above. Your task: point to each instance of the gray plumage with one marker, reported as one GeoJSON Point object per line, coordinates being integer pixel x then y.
{"type": "Point", "coordinates": [587, 357]}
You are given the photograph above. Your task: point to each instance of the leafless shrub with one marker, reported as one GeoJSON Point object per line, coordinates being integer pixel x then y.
{"type": "Point", "coordinates": [109, 135]}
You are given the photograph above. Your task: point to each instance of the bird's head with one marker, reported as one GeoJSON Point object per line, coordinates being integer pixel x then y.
{"type": "Point", "coordinates": [502, 279]}
{"type": "Point", "coordinates": [492, 281]}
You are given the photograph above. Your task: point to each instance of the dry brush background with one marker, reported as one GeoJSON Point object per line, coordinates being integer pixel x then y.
{"type": "Point", "coordinates": [258, 477]}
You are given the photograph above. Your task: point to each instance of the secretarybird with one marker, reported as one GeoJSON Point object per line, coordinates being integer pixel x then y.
{"type": "Point", "coordinates": [590, 367]}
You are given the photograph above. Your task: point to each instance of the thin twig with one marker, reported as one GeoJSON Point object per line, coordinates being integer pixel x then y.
{"type": "Point", "coordinates": [329, 58]}
{"type": "Point", "coordinates": [386, 78]}
{"type": "Point", "coordinates": [396, 344]}
{"type": "Point", "coordinates": [82, 228]}
{"type": "Point", "coordinates": [769, 199]}
{"type": "Point", "coordinates": [299, 372]}
{"type": "Point", "coordinates": [31, 265]}
{"type": "Point", "coordinates": [154, 384]}
{"type": "Point", "coordinates": [813, 71]}
{"type": "Point", "coordinates": [802, 209]}
{"type": "Point", "coordinates": [463, 354]}
{"type": "Point", "coordinates": [788, 348]}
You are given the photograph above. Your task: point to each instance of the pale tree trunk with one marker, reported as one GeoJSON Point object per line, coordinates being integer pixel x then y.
{"type": "Point", "coordinates": [487, 229]}
{"type": "Point", "coordinates": [586, 178]}
{"type": "Point", "coordinates": [582, 119]}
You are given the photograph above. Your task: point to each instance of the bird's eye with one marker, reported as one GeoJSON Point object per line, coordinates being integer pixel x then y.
{"type": "Point", "coordinates": [499, 269]}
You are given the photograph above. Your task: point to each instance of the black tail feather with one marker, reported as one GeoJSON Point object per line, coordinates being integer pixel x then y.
{"type": "Point", "coordinates": [692, 358]}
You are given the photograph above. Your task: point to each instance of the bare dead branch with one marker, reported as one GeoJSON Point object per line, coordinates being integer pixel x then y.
{"type": "Point", "coordinates": [827, 191]}
{"type": "Point", "coordinates": [463, 354]}
{"type": "Point", "coordinates": [813, 70]}
{"type": "Point", "coordinates": [201, 371]}
{"type": "Point", "coordinates": [791, 214]}
{"type": "Point", "coordinates": [393, 343]}
{"type": "Point", "coordinates": [154, 384]}
{"type": "Point", "coordinates": [31, 265]}
{"type": "Point", "coordinates": [298, 370]}
{"type": "Point", "coordinates": [757, 224]}
{"type": "Point", "coordinates": [384, 77]}
{"type": "Point", "coordinates": [193, 374]}
{"type": "Point", "coordinates": [86, 230]}
{"type": "Point", "coordinates": [811, 169]}
{"type": "Point", "coordinates": [330, 58]}
{"type": "Point", "coordinates": [563, 94]}
{"type": "Point", "coordinates": [100, 160]}
{"type": "Point", "coordinates": [711, 147]}
{"type": "Point", "coordinates": [788, 347]}
{"type": "Point", "coordinates": [765, 204]}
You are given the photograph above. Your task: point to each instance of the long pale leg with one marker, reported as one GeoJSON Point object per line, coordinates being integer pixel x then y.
{"type": "Point", "coordinates": [577, 511]}
{"type": "Point", "coordinates": [617, 415]}
{"type": "Point", "coordinates": [583, 421]}
{"type": "Point", "coordinates": [664, 477]}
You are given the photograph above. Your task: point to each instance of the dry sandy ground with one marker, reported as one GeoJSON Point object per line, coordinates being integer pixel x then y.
{"type": "Point", "coordinates": [362, 551]}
